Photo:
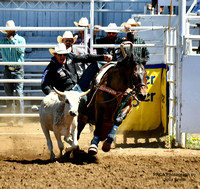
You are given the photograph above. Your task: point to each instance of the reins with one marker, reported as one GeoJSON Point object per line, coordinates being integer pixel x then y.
{"type": "Point", "coordinates": [117, 94]}
{"type": "Point", "coordinates": [105, 101]}
{"type": "Point", "coordinates": [97, 86]}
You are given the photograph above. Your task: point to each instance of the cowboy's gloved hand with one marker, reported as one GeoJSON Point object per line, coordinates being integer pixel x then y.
{"type": "Point", "coordinates": [127, 27]}
{"type": "Point", "coordinates": [107, 57]}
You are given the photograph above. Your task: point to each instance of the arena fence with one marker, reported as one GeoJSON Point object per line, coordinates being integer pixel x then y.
{"type": "Point", "coordinates": [38, 81]}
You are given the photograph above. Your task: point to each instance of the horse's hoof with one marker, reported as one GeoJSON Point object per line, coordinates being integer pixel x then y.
{"type": "Point", "coordinates": [72, 148]}
{"type": "Point", "coordinates": [106, 146]}
{"type": "Point", "coordinates": [93, 149]}
{"type": "Point", "coordinates": [66, 155]}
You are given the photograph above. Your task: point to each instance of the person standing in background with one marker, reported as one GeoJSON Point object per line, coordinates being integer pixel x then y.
{"type": "Point", "coordinates": [141, 52]}
{"type": "Point", "coordinates": [13, 71]}
{"type": "Point", "coordinates": [83, 22]}
{"type": "Point", "coordinates": [68, 39]}
{"type": "Point", "coordinates": [111, 38]}
{"type": "Point", "coordinates": [154, 4]}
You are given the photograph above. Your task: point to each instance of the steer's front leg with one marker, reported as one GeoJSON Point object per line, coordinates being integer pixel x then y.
{"type": "Point", "coordinates": [73, 132]}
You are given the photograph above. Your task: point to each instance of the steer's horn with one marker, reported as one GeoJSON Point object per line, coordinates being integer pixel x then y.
{"type": "Point", "coordinates": [58, 92]}
{"type": "Point", "coordinates": [84, 93]}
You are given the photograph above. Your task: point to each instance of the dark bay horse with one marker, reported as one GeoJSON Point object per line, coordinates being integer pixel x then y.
{"type": "Point", "coordinates": [110, 98]}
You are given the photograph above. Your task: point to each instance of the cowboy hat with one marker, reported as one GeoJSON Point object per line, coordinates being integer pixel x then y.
{"type": "Point", "coordinates": [131, 22]}
{"type": "Point", "coordinates": [9, 24]}
{"type": "Point", "coordinates": [112, 25]}
{"type": "Point", "coordinates": [83, 22]}
{"type": "Point", "coordinates": [67, 35]}
{"type": "Point", "coordinates": [60, 49]}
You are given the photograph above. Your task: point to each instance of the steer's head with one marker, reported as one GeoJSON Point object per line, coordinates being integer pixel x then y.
{"type": "Point", "coordinates": [71, 100]}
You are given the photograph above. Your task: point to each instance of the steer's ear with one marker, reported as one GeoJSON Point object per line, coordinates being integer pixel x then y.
{"type": "Point", "coordinates": [85, 93]}
{"type": "Point", "coordinates": [59, 92]}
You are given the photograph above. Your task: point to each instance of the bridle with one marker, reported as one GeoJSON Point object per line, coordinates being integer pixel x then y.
{"type": "Point", "coordinates": [124, 55]}
{"type": "Point", "coordinates": [139, 85]}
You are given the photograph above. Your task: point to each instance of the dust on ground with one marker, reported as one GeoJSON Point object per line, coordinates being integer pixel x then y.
{"type": "Point", "coordinates": [24, 163]}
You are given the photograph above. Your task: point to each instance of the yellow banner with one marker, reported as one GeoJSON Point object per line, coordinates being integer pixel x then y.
{"type": "Point", "coordinates": [147, 115]}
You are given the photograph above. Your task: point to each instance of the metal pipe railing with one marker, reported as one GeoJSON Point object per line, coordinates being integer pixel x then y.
{"type": "Point", "coordinates": [20, 80]}
{"type": "Point", "coordinates": [43, 28]}
{"type": "Point", "coordinates": [21, 97]}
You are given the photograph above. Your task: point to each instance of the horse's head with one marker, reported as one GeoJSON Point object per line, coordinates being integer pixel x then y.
{"type": "Point", "coordinates": [138, 73]}
{"type": "Point", "coordinates": [139, 80]}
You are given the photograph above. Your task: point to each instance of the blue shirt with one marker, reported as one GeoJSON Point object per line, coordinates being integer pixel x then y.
{"type": "Point", "coordinates": [13, 54]}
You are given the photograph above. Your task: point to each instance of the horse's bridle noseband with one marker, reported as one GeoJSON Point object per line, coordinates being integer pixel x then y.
{"type": "Point", "coordinates": [140, 85]}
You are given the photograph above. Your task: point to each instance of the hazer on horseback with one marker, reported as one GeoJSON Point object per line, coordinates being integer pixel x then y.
{"type": "Point", "coordinates": [110, 98]}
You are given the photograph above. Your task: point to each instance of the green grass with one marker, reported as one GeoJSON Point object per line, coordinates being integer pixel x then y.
{"type": "Point", "coordinates": [193, 141]}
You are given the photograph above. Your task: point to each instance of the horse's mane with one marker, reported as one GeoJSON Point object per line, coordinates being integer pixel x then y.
{"type": "Point", "coordinates": [134, 60]}
{"type": "Point", "coordinates": [138, 61]}
{"type": "Point", "coordinates": [121, 62]}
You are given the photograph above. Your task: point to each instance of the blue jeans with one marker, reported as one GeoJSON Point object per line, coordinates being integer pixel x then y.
{"type": "Point", "coordinates": [83, 100]}
{"type": "Point", "coordinates": [14, 89]}
{"type": "Point", "coordinates": [89, 74]}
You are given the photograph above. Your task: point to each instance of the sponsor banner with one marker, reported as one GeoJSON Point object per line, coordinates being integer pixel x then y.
{"type": "Point", "coordinates": [149, 114]}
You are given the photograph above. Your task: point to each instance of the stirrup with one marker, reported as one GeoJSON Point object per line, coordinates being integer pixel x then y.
{"type": "Point", "coordinates": [93, 149]}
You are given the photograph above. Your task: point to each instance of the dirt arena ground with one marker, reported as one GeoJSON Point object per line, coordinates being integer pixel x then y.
{"type": "Point", "coordinates": [24, 163]}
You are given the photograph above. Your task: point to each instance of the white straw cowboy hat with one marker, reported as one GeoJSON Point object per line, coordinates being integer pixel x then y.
{"type": "Point", "coordinates": [131, 22]}
{"type": "Point", "coordinates": [60, 49]}
{"type": "Point", "coordinates": [67, 35]}
{"type": "Point", "coordinates": [9, 24]}
{"type": "Point", "coordinates": [112, 25]}
{"type": "Point", "coordinates": [83, 22]}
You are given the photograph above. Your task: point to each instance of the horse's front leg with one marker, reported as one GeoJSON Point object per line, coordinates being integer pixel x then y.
{"type": "Point", "coordinates": [93, 149]}
{"type": "Point", "coordinates": [111, 136]}
{"type": "Point", "coordinates": [82, 120]}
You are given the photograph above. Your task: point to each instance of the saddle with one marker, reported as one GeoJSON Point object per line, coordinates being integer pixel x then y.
{"type": "Point", "coordinates": [102, 71]}
{"type": "Point", "coordinates": [83, 108]}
